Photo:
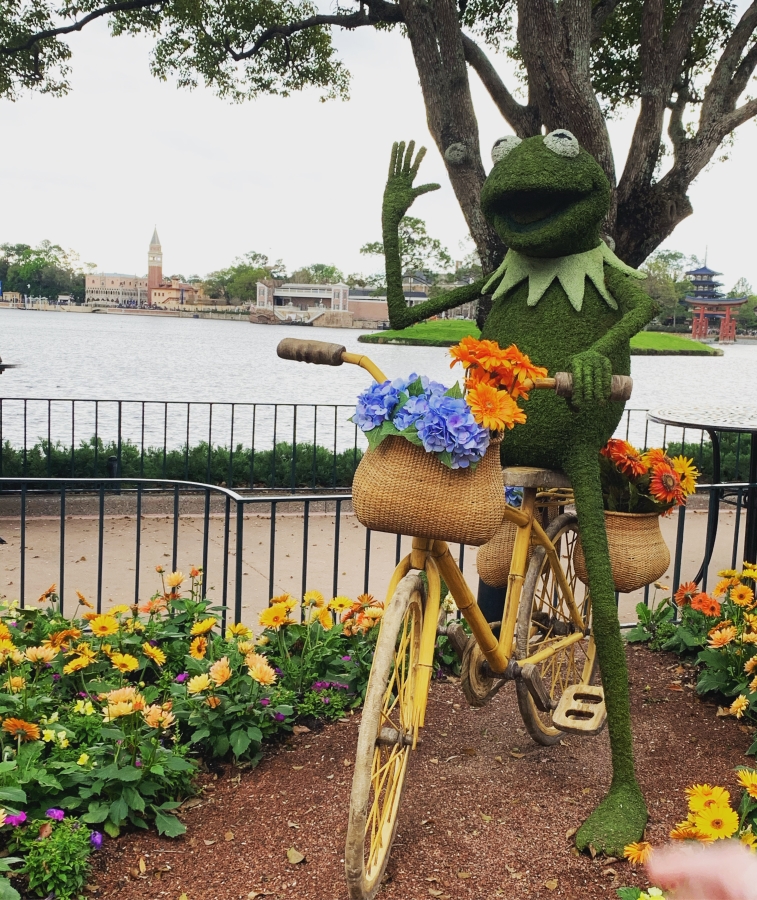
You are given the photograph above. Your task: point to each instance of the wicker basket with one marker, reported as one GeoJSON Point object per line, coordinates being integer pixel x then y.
{"type": "Point", "coordinates": [400, 488]}
{"type": "Point", "coordinates": [493, 559]}
{"type": "Point", "coordinates": [638, 553]}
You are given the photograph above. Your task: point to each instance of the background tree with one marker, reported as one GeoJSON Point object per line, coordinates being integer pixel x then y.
{"type": "Point", "coordinates": [44, 271]}
{"type": "Point", "coordinates": [318, 273]}
{"type": "Point", "coordinates": [418, 250]}
{"type": "Point", "coordinates": [666, 282]}
{"type": "Point", "coordinates": [685, 65]}
{"type": "Point", "coordinates": [239, 282]}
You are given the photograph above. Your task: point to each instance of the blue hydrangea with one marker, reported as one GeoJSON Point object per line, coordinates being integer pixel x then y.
{"type": "Point", "coordinates": [444, 424]}
{"type": "Point", "coordinates": [376, 405]}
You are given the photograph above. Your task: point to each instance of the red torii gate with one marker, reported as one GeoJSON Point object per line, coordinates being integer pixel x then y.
{"type": "Point", "coordinates": [707, 303]}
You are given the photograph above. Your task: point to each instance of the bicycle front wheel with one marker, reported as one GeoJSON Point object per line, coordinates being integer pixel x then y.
{"type": "Point", "coordinates": [544, 619]}
{"type": "Point", "coordinates": [387, 735]}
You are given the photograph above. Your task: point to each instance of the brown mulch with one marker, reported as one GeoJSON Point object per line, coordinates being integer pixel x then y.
{"type": "Point", "coordinates": [486, 813]}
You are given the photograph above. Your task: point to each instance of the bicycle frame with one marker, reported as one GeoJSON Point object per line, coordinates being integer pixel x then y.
{"type": "Point", "coordinates": [435, 559]}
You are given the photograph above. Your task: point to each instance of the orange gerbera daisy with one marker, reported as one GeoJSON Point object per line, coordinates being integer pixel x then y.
{"type": "Point", "coordinates": [83, 600]}
{"type": "Point", "coordinates": [47, 594]}
{"type": "Point", "coordinates": [750, 665]}
{"type": "Point", "coordinates": [722, 636]}
{"type": "Point", "coordinates": [63, 637]}
{"type": "Point", "coordinates": [19, 728]}
{"type": "Point", "coordinates": [706, 604]}
{"type": "Point", "coordinates": [495, 410]}
{"type": "Point", "coordinates": [686, 593]}
{"type": "Point", "coordinates": [466, 352]}
{"type": "Point", "coordinates": [665, 485]}
{"type": "Point", "coordinates": [721, 588]}
{"type": "Point", "coordinates": [625, 456]}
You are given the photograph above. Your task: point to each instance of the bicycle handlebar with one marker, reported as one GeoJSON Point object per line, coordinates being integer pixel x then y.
{"type": "Point", "coordinates": [323, 354]}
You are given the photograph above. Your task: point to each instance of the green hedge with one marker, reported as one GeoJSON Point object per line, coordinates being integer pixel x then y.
{"type": "Point", "coordinates": [701, 453]}
{"type": "Point", "coordinates": [314, 466]}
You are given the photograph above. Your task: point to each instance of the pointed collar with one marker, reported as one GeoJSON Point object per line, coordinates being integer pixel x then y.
{"type": "Point", "coordinates": [571, 271]}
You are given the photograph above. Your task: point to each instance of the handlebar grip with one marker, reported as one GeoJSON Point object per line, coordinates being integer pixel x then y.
{"type": "Point", "coordinates": [622, 385]}
{"type": "Point", "coordinates": [318, 352]}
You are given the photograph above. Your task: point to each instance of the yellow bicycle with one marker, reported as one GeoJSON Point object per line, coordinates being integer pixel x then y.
{"type": "Point", "coordinates": [543, 641]}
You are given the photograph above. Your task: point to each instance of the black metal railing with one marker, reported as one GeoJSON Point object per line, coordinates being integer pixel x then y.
{"type": "Point", "coordinates": [247, 446]}
{"type": "Point", "coordinates": [250, 547]}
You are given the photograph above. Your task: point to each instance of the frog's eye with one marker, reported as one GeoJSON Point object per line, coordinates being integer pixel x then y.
{"type": "Point", "coordinates": [503, 146]}
{"type": "Point", "coordinates": [562, 142]}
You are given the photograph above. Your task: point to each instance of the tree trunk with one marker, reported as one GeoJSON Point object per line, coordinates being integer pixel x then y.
{"type": "Point", "coordinates": [436, 40]}
{"type": "Point", "coordinates": [647, 218]}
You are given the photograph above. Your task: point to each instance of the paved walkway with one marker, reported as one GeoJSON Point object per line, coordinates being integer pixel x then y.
{"type": "Point", "coordinates": [156, 529]}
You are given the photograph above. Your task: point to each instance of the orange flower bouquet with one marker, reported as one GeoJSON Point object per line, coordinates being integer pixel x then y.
{"type": "Point", "coordinates": [644, 482]}
{"type": "Point", "coordinates": [455, 427]}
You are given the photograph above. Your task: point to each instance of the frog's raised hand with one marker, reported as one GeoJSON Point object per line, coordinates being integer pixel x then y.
{"type": "Point", "coordinates": [399, 196]}
{"type": "Point", "coordinates": [399, 193]}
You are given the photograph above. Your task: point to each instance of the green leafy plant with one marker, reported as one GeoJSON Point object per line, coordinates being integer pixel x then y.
{"type": "Point", "coordinates": [655, 625]}
{"type": "Point", "coordinates": [56, 855]}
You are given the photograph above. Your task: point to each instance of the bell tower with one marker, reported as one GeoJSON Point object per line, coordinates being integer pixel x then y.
{"type": "Point", "coordinates": [154, 265]}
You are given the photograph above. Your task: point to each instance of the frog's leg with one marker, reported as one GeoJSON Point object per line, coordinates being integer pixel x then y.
{"type": "Point", "coordinates": [620, 818]}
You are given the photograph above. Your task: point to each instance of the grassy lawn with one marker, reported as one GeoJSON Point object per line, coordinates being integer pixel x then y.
{"type": "Point", "coordinates": [446, 332]}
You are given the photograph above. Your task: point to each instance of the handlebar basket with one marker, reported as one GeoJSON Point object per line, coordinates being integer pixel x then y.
{"type": "Point", "coordinates": [401, 489]}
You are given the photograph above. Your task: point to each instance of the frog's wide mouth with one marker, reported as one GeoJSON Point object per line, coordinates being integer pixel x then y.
{"type": "Point", "coordinates": [525, 210]}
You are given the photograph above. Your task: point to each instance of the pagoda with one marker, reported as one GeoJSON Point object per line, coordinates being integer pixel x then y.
{"type": "Point", "coordinates": [709, 303]}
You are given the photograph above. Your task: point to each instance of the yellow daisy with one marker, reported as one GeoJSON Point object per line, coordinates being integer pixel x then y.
{"type": "Point", "coordinates": [154, 653]}
{"type": "Point", "coordinates": [204, 626]}
{"type": "Point", "coordinates": [717, 822]}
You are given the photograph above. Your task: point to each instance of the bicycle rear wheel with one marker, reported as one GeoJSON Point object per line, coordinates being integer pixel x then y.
{"type": "Point", "coordinates": [544, 619]}
{"type": "Point", "coordinates": [388, 732]}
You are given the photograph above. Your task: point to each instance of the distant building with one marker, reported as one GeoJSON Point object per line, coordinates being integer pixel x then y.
{"type": "Point", "coordinates": [113, 289]}
{"type": "Point", "coordinates": [711, 307]}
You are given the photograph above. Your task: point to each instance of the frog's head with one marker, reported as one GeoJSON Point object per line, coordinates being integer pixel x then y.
{"type": "Point", "coordinates": [545, 196]}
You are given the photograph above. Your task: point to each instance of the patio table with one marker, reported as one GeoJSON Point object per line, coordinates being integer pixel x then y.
{"type": "Point", "coordinates": [713, 420]}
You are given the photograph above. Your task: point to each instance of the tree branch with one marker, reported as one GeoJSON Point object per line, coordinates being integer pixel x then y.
{"type": "Point", "coordinates": [125, 6]}
{"type": "Point", "coordinates": [524, 120]}
{"type": "Point", "coordinates": [600, 14]}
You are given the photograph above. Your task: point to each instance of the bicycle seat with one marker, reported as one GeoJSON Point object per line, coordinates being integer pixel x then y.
{"type": "Point", "coordinates": [531, 477]}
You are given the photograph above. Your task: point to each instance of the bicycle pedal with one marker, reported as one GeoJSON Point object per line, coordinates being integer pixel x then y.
{"type": "Point", "coordinates": [536, 687]}
{"type": "Point", "coordinates": [581, 710]}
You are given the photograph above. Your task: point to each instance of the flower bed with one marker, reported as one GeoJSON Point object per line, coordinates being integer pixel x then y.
{"type": "Point", "coordinates": [104, 718]}
{"type": "Point", "coordinates": [719, 630]}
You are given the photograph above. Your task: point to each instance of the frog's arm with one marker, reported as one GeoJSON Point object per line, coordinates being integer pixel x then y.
{"type": "Point", "coordinates": [401, 315]}
{"type": "Point", "coordinates": [399, 195]}
{"type": "Point", "coordinates": [591, 369]}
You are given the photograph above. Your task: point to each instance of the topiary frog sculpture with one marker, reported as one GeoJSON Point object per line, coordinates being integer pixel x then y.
{"type": "Point", "coordinates": [564, 298]}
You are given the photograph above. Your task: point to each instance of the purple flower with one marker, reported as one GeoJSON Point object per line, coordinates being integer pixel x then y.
{"type": "Point", "coordinates": [138, 763]}
{"type": "Point", "coordinates": [278, 671]}
{"type": "Point", "coordinates": [13, 624]}
{"type": "Point", "coordinates": [153, 643]}
{"type": "Point", "coordinates": [83, 694]}
{"type": "Point", "coordinates": [279, 716]}
{"type": "Point", "coordinates": [414, 409]}
{"type": "Point", "coordinates": [96, 839]}
{"type": "Point", "coordinates": [326, 699]}
{"type": "Point", "coordinates": [56, 676]}
{"type": "Point", "coordinates": [181, 678]}
{"type": "Point", "coordinates": [56, 814]}
{"type": "Point", "coordinates": [16, 820]}
{"type": "Point", "coordinates": [264, 701]}
{"type": "Point", "coordinates": [346, 658]}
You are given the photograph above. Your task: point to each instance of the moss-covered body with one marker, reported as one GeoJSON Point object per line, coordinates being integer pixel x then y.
{"type": "Point", "coordinates": [547, 332]}
{"type": "Point", "coordinates": [547, 199]}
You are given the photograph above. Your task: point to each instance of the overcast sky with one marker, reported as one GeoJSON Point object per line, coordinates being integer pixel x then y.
{"type": "Point", "coordinates": [294, 178]}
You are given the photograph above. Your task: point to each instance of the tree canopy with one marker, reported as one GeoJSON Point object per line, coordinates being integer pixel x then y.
{"type": "Point", "coordinates": [684, 66]}
{"type": "Point", "coordinates": [44, 271]}
{"type": "Point", "coordinates": [418, 250]}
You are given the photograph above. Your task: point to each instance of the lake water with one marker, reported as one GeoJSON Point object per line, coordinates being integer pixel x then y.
{"type": "Point", "coordinates": [117, 357]}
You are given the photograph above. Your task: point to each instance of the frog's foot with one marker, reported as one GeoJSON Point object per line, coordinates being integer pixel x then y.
{"type": "Point", "coordinates": [619, 820]}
